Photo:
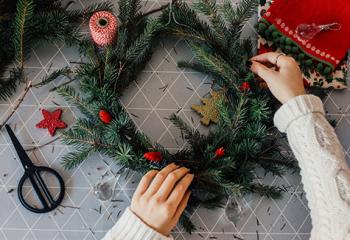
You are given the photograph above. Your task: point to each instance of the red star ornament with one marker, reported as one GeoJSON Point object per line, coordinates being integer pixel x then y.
{"type": "Point", "coordinates": [51, 121]}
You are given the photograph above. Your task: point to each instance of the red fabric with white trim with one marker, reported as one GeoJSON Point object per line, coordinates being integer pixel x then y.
{"type": "Point", "coordinates": [328, 46]}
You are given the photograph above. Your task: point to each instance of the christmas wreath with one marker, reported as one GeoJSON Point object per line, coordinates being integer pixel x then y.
{"type": "Point", "coordinates": [225, 160]}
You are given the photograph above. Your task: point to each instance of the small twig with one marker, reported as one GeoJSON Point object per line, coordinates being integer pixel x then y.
{"type": "Point", "coordinates": [164, 87]}
{"type": "Point", "coordinates": [93, 233]}
{"type": "Point", "coordinates": [134, 115]}
{"type": "Point", "coordinates": [60, 211]}
{"type": "Point", "coordinates": [109, 215]}
{"type": "Point", "coordinates": [43, 145]}
{"type": "Point", "coordinates": [284, 225]}
{"type": "Point", "coordinates": [121, 68]}
{"type": "Point", "coordinates": [154, 10]}
{"type": "Point", "coordinates": [236, 237]}
{"type": "Point", "coordinates": [74, 207]}
{"type": "Point", "coordinates": [63, 84]}
{"type": "Point", "coordinates": [20, 100]}
{"type": "Point", "coordinates": [55, 103]}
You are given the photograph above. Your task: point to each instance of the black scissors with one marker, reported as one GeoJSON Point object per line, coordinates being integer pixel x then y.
{"type": "Point", "coordinates": [32, 173]}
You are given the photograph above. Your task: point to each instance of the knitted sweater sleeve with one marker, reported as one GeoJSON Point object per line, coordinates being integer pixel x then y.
{"type": "Point", "coordinates": [130, 227]}
{"type": "Point", "coordinates": [325, 173]}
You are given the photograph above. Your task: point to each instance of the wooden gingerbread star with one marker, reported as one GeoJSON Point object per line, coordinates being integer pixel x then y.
{"type": "Point", "coordinates": [208, 111]}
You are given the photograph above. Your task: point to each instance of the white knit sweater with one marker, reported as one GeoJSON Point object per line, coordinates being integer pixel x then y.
{"type": "Point", "coordinates": [325, 174]}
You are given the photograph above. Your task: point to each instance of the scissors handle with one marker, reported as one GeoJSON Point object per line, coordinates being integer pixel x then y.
{"type": "Point", "coordinates": [46, 199]}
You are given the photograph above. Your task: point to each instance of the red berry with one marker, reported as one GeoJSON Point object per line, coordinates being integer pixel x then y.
{"type": "Point", "coordinates": [245, 87]}
{"type": "Point", "coordinates": [220, 152]}
{"type": "Point", "coordinates": [105, 116]}
{"type": "Point", "coordinates": [153, 156]}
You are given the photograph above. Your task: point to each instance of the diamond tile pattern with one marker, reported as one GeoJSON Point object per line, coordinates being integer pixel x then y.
{"type": "Point", "coordinates": [160, 90]}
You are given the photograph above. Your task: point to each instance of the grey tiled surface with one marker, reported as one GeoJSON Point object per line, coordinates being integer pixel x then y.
{"type": "Point", "coordinates": [83, 217]}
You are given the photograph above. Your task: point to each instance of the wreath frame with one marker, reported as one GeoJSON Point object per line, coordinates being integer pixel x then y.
{"type": "Point", "coordinates": [245, 129]}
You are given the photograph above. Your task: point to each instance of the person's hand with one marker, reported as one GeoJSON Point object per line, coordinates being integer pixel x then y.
{"type": "Point", "coordinates": [161, 197]}
{"type": "Point", "coordinates": [286, 82]}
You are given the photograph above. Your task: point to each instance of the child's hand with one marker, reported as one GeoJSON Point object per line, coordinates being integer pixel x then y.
{"type": "Point", "coordinates": [161, 197]}
{"type": "Point", "coordinates": [284, 83]}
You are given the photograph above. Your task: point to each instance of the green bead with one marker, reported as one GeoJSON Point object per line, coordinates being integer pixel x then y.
{"type": "Point", "coordinates": [295, 49]}
{"type": "Point", "coordinates": [319, 67]}
{"type": "Point", "coordinates": [329, 78]}
{"type": "Point", "coordinates": [301, 56]}
{"type": "Point", "coordinates": [308, 62]}
{"type": "Point", "coordinates": [327, 71]}
{"type": "Point", "coordinates": [289, 41]}
{"type": "Point", "coordinates": [283, 40]}
{"type": "Point", "coordinates": [288, 49]}
{"type": "Point", "coordinates": [267, 33]}
{"type": "Point", "coordinates": [276, 41]}
{"type": "Point", "coordinates": [275, 34]}
{"type": "Point", "coordinates": [262, 27]}
{"type": "Point", "coordinates": [272, 28]}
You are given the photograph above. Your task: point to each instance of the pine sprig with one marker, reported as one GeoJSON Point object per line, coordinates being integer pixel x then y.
{"type": "Point", "coordinates": [74, 159]}
{"type": "Point", "coordinates": [137, 50]}
{"type": "Point", "coordinates": [25, 9]}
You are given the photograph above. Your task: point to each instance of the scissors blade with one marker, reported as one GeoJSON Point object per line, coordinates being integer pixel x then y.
{"type": "Point", "coordinates": [26, 162]}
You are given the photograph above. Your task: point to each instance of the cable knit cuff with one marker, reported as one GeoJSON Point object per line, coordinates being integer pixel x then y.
{"type": "Point", "coordinates": [130, 227]}
{"type": "Point", "coordinates": [295, 108]}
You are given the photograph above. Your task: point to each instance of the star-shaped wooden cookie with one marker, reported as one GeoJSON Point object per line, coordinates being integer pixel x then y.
{"type": "Point", "coordinates": [208, 110]}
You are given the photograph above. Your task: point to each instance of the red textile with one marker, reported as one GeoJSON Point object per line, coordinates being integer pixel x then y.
{"type": "Point", "coordinates": [329, 46]}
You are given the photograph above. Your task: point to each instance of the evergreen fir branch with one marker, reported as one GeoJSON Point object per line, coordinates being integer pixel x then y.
{"type": "Point", "coordinates": [69, 94]}
{"type": "Point", "coordinates": [129, 10]}
{"type": "Point", "coordinates": [225, 114]}
{"type": "Point", "coordinates": [237, 17]}
{"type": "Point", "coordinates": [124, 154]}
{"type": "Point", "coordinates": [209, 8]}
{"type": "Point", "coordinates": [215, 65]}
{"type": "Point", "coordinates": [143, 43]}
{"type": "Point", "coordinates": [75, 16]}
{"type": "Point", "coordinates": [188, 132]}
{"type": "Point", "coordinates": [186, 222]}
{"type": "Point", "coordinates": [213, 202]}
{"type": "Point", "coordinates": [198, 67]}
{"type": "Point", "coordinates": [268, 191]}
{"type": "Point", "coordinates": [49, 26]}
{"type": "Point", "coordinates": [240, 111]}
{"type": "Point", "coordinates": [74, 159]}
{"type": "Point", "coordinates": [66, 71]}
{"type": "Point", "coordinates": [8, 85]}
{"type": "Point", "coordinates": [24, 13]}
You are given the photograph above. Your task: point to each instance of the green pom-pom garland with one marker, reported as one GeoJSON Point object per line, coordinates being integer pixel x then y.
{"type": "Point", "coordinates": [287, 45]}
{"type": "Point", "coordinates": [319, 67]}
{"type": "Point", "coordinates": [308, 62]}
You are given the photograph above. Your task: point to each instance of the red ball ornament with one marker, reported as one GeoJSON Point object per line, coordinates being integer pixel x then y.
{"type": "Point", "coordinates": [220, 152]}
{"type": "Point", "coordinates": [153, 156]}
{"type": "Point", "coordinates": [51, 121]}
{"type": "Point", "coordinates": [245, 87]}
{"type": "Point", "coordinates": [105, 116]}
